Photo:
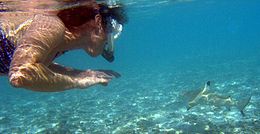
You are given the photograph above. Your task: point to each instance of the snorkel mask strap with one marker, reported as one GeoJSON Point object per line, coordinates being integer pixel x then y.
{"type": "Point", "coordinates": [114, 29]}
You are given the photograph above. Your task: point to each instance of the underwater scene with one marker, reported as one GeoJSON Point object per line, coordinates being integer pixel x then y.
{"type": "Point", "coordinates": [187, 66]}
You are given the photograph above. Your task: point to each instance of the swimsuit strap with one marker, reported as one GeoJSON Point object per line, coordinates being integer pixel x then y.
{"type": "Point", "coordinates": [6, 52]}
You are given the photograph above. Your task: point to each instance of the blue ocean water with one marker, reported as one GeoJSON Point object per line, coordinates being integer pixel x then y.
{"type": "Point", "coordinates": [167, 48]}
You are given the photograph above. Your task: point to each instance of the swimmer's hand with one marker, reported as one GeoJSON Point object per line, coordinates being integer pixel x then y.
{"type": "Point", "coordinates": [93, 77]}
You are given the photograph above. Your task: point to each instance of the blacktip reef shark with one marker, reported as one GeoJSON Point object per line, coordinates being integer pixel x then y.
{"type": "Point", "coordinates": [216, 99]}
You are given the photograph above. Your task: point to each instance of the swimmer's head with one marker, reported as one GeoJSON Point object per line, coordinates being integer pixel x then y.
{"type": "Point", "coordinates": [113, 18]}
{"type": "Point", "coordinates": [98, 23]}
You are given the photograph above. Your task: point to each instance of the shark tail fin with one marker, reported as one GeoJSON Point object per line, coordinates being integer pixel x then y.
{"type": "Point", "coordinates": [242, 104]}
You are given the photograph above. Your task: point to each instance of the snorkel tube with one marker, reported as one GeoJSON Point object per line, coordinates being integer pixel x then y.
{"type": "Point", "coordinates": [114, 29]}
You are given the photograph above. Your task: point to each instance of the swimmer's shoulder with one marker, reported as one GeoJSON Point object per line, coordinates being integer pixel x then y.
{"type": "Point", "coordinates": [14, 24]}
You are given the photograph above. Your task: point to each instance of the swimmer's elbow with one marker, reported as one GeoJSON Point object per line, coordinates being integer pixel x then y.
{"type": "Point", "coordinates": [24, 76]}
{"type": "Point", "coordinates": [17, 80]}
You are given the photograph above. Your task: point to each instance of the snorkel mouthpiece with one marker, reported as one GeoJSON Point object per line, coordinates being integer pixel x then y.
{"type": "Point", "coordinates": [114, 29]}
{"type": "Point", "coordinates": [108, 52]}
{"type": "Point", "coordinates": [108, 55]}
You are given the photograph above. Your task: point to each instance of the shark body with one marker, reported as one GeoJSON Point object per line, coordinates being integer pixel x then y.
{"type": "Point", "coordinates": [216, 99]}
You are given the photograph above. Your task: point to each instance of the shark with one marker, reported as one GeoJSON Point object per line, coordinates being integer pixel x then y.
{"type": "Point", "coordinates": [213, 98]}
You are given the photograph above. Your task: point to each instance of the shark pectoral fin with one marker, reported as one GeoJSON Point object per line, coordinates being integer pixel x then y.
{"type": "Point", "coordinates": [242, 104]}
{"type": "Point", "coordinates": [242, 113]}
{"type": "Point", "coordinates": [191, 105]}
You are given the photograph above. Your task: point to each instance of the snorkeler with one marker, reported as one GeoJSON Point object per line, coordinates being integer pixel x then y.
{"type": "Point", "coordinates": [30, 41]}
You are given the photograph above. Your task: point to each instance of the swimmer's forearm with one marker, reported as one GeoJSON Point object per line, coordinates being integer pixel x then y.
{"type": "Point", "coordinates": [85, 78]}
{"type": "Point", "coordinates": [65, 70]}
{"type": "Point", "coordinates": [37, 77]}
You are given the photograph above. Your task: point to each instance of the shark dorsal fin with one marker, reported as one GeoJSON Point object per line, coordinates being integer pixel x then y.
{"type": "Point", "coordinates": [208, 83]}
{"type": "Point", "coordinates": [206, 87]}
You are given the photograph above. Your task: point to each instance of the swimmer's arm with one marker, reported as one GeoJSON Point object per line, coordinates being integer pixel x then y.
{"type": "Point", "coordinates": [27, 70]}
{"type": "Point", "coordinates": [82, 73]}
{"type": "Point", "coordinates": [37, 77]}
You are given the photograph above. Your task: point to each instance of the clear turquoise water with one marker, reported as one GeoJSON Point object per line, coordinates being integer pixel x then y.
{"type": "Point", "coordinates": [167, 47]}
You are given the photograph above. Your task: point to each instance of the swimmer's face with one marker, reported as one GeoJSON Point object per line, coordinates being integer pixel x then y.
{"type": "Point", "coordinates": [93, 36]}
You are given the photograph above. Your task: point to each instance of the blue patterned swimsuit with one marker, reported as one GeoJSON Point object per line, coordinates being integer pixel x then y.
{"type": "Point", "coordinates": [6, 52]}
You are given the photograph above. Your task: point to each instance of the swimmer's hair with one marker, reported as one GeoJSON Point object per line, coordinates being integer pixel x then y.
{"type": "Point", "coordinates": [77, 16]}
{"type": "Point", "coordinates": [117, 12]}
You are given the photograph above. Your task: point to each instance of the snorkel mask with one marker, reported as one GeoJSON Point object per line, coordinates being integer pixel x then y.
{"type": "Point", "coordinates": [114, 30]}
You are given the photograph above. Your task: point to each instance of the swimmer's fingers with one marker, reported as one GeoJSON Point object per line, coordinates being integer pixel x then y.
{"type": "Point", "coordinates": [90, 81]}
{"type": "Point", "coordinates": [104, 82]}
{"type": "Point", "coordinates": [90, 77]}
{"type": "Point", "coordinates": [95, 74]}
{"type": "Point", "coordinates": [110, 73]}
{"type": "Point", "coordinates": [104, 75]}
